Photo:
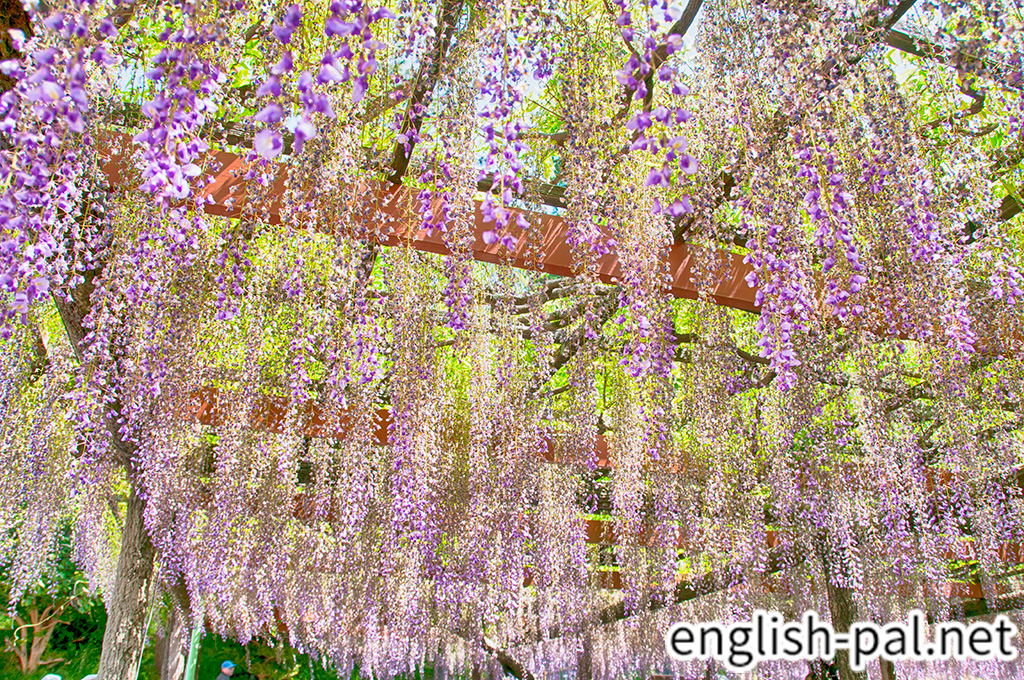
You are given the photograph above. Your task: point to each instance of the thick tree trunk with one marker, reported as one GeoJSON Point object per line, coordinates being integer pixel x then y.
{"type": "Point", "coordinates": [843, 609]}
{"type": "Point", "coordinates": [126, 607]}
{"type": "Point", "coordinates": [844, 614]}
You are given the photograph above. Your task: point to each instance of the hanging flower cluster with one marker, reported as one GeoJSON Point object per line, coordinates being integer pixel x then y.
{"type": "Point", "coordinates": [355, 61]}
{"type": "Point", "coordinates": [502, 83]}
{"type": "Point", "coordinates": [45, 173]}
{"type": "Point", "coordinates": [784, 295]}
{"type": "Point", "coordinates": [634, 75]}
{"type": "Point", "coordinates": [828, 204]}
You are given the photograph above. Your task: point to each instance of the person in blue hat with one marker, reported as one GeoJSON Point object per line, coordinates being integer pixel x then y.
{"type": "Point", "coordinates": [227, 669]}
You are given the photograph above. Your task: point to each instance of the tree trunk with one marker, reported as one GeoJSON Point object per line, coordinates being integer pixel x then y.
{"type": "Point", "coordinates": [585, 660]}
{"type": "Point", "coordinates": [843, 609]}
{"type": "Point", "coordinates": [41, 634]}
{"type": "Point", "coordinates": [126, 607]}
{"type": "Point", "coordinates": [29, 652]}
{"type": "Point", "coordinates": [821, 670]}
{"type": "Point", "coordinates": [169, 648]}
{"type": "Point", "coordinates": [844, 614]}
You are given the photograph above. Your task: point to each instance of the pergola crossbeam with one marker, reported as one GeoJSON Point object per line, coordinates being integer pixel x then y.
{"type": "Point", "coordinates": [390, 213]}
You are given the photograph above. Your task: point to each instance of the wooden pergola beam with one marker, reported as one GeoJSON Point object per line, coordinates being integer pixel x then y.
{"type": "Point", "coordinates": [387, 214]}
{"type": "Point", "coordinates": [211, 407]}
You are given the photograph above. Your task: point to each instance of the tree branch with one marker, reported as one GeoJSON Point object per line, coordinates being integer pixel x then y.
{"type": "Point", "coordinates": [825, 77]}
{"type": "Point", "coordinates": [659, 56]}
{"type": "Point", "coordinates": [512, 667]}
{"type": "Point", "coordinates": [73, 309]}
{"type": "Point", "coordinates": [426, 80]}
{"type": "Point", "coordinates": [714, 581]}
{"type": "Point", "coordinates": [955, 56]}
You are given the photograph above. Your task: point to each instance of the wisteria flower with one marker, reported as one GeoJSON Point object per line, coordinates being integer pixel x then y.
{"type": "Point", "coordinates": [268, 144]}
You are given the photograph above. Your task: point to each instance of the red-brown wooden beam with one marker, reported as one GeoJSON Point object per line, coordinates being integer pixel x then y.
{"type": "Point", "coordinates": [210, 406]}
{"type": "Point", "coordinates": [388, 215]}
